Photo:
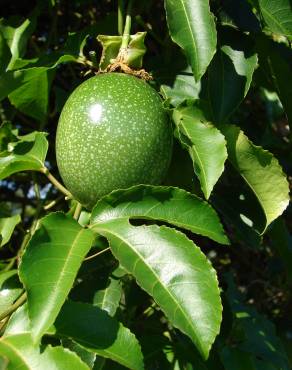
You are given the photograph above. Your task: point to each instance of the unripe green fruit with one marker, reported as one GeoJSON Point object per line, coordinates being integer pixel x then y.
{"type": "Point", "coordinates": [113, 133]}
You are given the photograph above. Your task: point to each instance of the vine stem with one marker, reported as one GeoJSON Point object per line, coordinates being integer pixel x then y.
{"type": "Point", "coordinates": [120, 16]}
{"type": "Point", "coordinates": [97, 254]}
{"type": "Point", "coordinates": [53, 202]}
{"type": "Point", "coordinates": [56, 183]}
{"type": "Point", "coordinates": [127, 28]}
{"type": "Point", "coordinates": [14, 307]}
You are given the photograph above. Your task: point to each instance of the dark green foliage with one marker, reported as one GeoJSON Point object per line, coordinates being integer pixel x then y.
{"type": "Point", "coordinates": [190, 273]}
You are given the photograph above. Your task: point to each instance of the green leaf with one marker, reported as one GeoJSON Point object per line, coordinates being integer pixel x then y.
{"type": "Point", "coordinates": [234, 358]}
{"type": "Point", "coordinates": [98, 332]}
{"type": "Point", "coordinates": [27, 154]}
{"type": "Point", "coordinates": [33, 98]}
{"type": "Point", "coordinates": [28, 88]}
{"type": "Point", "coordinates": [108, 299]}
{"type": "Point", "coordinates": [111, 46]}
{"type": "Point", "coordinates": [275, 61]}
{"type": "Point", "coordinates": [277, 15]}
{"type": "Point", "coordinates": [183, 87]}
{"type": "Point", "coordinates": [239, 14]}
{"type": "Point", "coordinates": [260, 170]}
{"type": "Point", "coordinates": [7, 226]}
{"type": "Point", "coordinates": [229, 207]}
{"type": "Point", "coordinates": [49, 266]}
{"type": "Point", "coordinates": [168, 204]}
{"type": "Point", "coordinates": [205, 144]}
{"type": "Point", "coordinates": [254, 334]}
{"type": "Point", "coordinates": [7, 135]}
{"type": "Point", "coordinates": [86, 356]}
{"type": "Point", "coordinates": [230, 74]}
{"type": "Point", "coordinates": [192, 27]}
{"type": "Point", "coordinates": [174, 272]}
{"type": "Point", "coordinates": [10, 289]}
{"type": "Point", "coordinates": [17, 37]}
{"type": "Point", "coordinates": [5, 54]}
{"type": "Point", "coordinates": [23, 354]}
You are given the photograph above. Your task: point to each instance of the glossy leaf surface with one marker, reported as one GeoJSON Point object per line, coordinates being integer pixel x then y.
{"type": "Point", "coordinates": [174, 272]}
{"type": "Point", "coordinates": [108, 299]}
{"type": "Point", "coordinates": [183, 87]}
{"type": "Point", "coordinates": [57, 247]}
{"type": "Point", "coordinates": [10, 289]}
{"type": "Point", "coordinates": [17, 36]}
{"type": "Point", "coordinates": [277, 15]}
{"type": "Point", "coordinates": [28, 153]}
{"type": "Point", "coordinates": [28, 87]}
{"type": "Point", "coordinates": [7, 225]}
{"type": "Point", "coordinates": [261, 171]}
{"type": "Point", "coordinates": [230, 74]}
{"type": "Point", "coordinates": [96, 331]}
{"type": "Point", "coordinates": [23, 354]}
{"type": "Point", "coordinates": [192, 27]}
{"type": "Point", "coordinates": [205, 144]}
{"type": "Point", "coordinates": [172, 205]}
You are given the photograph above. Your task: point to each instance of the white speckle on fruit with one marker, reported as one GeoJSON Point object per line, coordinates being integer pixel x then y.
{"type": "Point", "coordinates": [113, 133]}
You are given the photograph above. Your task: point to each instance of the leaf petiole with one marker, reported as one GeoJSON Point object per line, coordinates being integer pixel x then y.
{"type": "Point", "coordinates": [55, 182]}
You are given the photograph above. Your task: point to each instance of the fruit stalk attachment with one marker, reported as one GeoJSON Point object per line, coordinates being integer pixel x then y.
{"type": "Point", "coordinates": [131, 51]}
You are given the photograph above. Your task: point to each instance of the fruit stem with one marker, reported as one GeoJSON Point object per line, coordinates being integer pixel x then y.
{"type": "Point", "coordinates": [14, 307]}
{"type": "Point", "coordinates": [121, 6]}
{"type": "Point", "coordinates": [77, 211]}
{"type": "Point", "coordinates": [56, 183]}
{"type": "Point", "coordinates": [127, 29]}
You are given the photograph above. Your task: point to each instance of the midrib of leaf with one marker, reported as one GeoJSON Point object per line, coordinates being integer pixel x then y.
{"type": "Point", "coordinates": [15, 351]}
{"type": "Point", "coordinates": [270, 15]}
{"type": "Point", "coordinates": [157, 278]}
{"type": "Point", "coordinates": [199, 160]}
{"type": "Point", "coordinates": [200, 230]}
{"type": "Point", "coordinates": [51, 302]}
{"type": "Point", "coordinates": [193, 38]}
{"type": "Point", "coordinates": [252, 187]}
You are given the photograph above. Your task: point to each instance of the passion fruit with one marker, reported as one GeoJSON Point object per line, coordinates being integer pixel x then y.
{"type": "Point", "coordinates": [113, 133]}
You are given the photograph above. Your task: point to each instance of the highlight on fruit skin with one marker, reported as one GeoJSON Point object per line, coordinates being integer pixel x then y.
{"type": "Point", "coordinates": [113, 133]}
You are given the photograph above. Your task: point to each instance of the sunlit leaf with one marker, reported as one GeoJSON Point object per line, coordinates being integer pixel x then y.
{"type": "Point", "coordinates": [108, 299]}
{"type": "Point", "coordinates": [261, 171]}
{"type": "Point", "coordinates": [23, 354]}
{"type": "Point", "coordinates": [28, 153]}
{"type": "Point", "coordinates": [192, 27]}
{"type": "Point", "coordinates": [10, 289]}
{"type": "Point", "coordinates": [58, 248]}
{"type": "Point", "coordinates": [28, 88]}
{"type": "Point", "coordinates": [98, 332]}
{"type": "Point", "coordinates": [183, 87]}
{"type": "Point", "coordinates": [172, 205]}
{"type": "Point", "coordinates": [7, 226]}
{"type": "Point", "coordinates": [205, 144]}
{"type": "Point", "coordinates": [174, 272]}
{"type": "Point", "coordinates": [18, 36]}
{"type": "Point", "coordinates": [277, 15]}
